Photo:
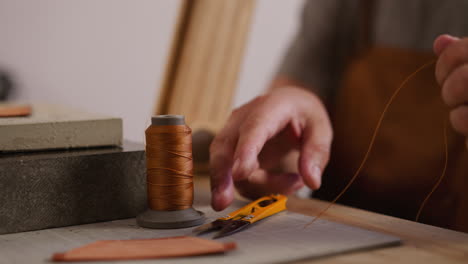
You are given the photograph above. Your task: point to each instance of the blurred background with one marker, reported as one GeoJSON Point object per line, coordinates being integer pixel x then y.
{"type": "Point", "coordinates": [109, 56]}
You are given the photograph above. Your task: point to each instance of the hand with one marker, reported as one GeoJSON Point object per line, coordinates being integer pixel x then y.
{"type": "Point", "coordinates": [259, 134]}
{"type": "Point", "coordinates": [452, 74]}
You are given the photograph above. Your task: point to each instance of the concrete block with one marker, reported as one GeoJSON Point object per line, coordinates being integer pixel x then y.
{"type": "Point", "coordinates": [47, 189]}
{"type": "Point", "coordinates": [58, 127]}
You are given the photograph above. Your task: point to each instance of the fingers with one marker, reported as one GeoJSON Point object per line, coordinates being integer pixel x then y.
{"type": "Point", "coordinates": [221, 183]}
{"type": "Point", "coordinates": [276, 149]}
{"type": "Point", "coordinates": [261, 183]}
{"type": "Point", "coordinates": [459, 119]}
{"type": "Point", "coordinates": [221, 159]}
{"type": "Point", "coordinates": [451, 57]}
{"type": "Point", "coordinates": [315, 151]}
{"type": "Point", "coordinates": [442, 42]}
{"type": "Point", "coordinates": [455, 88]}
{"type": "Point", "coordinates": [452, 73]}
{"type": "Point", "coordinates": [244, 137]}
{"type": "Point", "coordinates": [269, 118]}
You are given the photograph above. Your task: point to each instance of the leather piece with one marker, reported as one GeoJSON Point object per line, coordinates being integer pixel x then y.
{"type": "Point", "coordinates": [15, 110]}
{"type": "Point", "coordinates": [169, 247]}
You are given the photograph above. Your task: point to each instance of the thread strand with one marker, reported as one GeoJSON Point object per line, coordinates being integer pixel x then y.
{"type": "Point", "coordinates": [441, 177]}
{"type": "Point", "coordinates": [372, 141]}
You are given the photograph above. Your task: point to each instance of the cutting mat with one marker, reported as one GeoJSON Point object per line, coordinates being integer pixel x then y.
{"type": "Point", "coordinates": [281, 238]}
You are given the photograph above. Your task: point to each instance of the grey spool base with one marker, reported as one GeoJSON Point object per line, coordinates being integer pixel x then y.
{"type": "Point", "coordinates": [170, 219]}
{"type": "Point", "coordinates": [168, 120]}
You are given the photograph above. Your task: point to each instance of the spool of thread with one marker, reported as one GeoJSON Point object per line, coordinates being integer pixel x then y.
{"type": "Point", "coordinates": [169, 175]}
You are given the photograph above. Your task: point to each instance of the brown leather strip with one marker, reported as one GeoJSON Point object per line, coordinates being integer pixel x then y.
{"type": "Point", "coordinates": [144, 249]}
{"type": "Point", "coordinates": [15, 110]}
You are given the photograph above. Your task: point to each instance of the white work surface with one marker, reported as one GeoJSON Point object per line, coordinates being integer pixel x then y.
{"type": "Point", "coordinates": [280, 238]}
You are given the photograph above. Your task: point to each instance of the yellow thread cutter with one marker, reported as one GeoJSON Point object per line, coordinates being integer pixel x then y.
{"type": "Point", "coordinates": [247, 215]}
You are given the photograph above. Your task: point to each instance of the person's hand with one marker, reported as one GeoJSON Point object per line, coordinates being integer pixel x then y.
{"type": "Point", "coordinates": [452, 74]}
{"type": "Point", "coordinates": [259, 134]}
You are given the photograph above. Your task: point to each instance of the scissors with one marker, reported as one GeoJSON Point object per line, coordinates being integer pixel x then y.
{"type": "Point", "coordinates": [244, 217]}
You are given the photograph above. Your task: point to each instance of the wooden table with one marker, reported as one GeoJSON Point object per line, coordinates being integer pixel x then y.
{"type": "Point", "coordinates": [421, 243]}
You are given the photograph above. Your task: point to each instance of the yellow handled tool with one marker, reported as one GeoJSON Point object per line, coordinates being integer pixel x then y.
{"type": "Point", "coordinates": [249, 214]}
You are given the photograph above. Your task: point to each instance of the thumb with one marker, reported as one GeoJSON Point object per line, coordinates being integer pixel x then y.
{"type": "Point", "coordinates": [315, 152]}
{"type": "Point", "coordinates": [442, 42]}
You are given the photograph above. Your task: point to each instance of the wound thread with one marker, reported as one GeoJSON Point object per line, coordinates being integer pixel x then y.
{"type": "Point", "coordinates": [169, 167]}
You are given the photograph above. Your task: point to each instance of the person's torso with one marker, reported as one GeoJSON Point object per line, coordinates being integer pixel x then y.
{"type": "Point", "coordinates": [408, 155]}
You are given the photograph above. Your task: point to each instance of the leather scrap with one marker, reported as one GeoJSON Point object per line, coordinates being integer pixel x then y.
{"type": "Point", "coordinates": [10, 110]}
{"type": "Point", "coordinates": [169, 247]}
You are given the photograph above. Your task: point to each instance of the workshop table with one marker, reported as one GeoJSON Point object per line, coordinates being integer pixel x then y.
{"type": "Point", "coordinates": [421, 243]}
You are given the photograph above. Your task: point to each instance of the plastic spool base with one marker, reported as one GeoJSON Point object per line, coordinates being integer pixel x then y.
{"type": "Point", "coordinates": [170, 219]}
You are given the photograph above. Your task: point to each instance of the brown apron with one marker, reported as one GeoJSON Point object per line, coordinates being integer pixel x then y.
{"type": "Point", "coordinates": [408, 155]}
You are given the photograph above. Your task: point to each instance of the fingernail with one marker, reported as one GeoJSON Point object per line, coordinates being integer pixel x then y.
{"type": "Point", "coordinates": [453, 37]}
{"type": "Point", "coordinates": [235, 167]}
{"type": "Point", "coordinates": [215, 196]}
{"type": "Point", "coordinates": [220, 199]}
{"type": "Point", "coordinates": [316, 174]}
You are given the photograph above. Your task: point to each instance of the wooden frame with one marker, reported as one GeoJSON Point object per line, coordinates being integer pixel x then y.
{"type": "Point", "coordinates": [204, 61]}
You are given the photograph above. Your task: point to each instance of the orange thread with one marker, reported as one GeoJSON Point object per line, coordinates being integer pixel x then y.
{"type": "Point", "coordinates": [371, 144]}
{"type": "Point", "coordinates": [169, 167]}
{"type": "Point", "coordinates": [440, 178]}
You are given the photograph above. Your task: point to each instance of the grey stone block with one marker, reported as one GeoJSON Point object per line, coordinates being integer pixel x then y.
{"type": "Point", "coordinates": [58, 127]}
{"type": "Point", "coordinates": [60, 188]}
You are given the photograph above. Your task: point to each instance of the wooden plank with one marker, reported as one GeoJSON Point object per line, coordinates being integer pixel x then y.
{"type": "Point", "coordinates": [205, 59]}
{"type": "Point", "coordinates": [174, 57]}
